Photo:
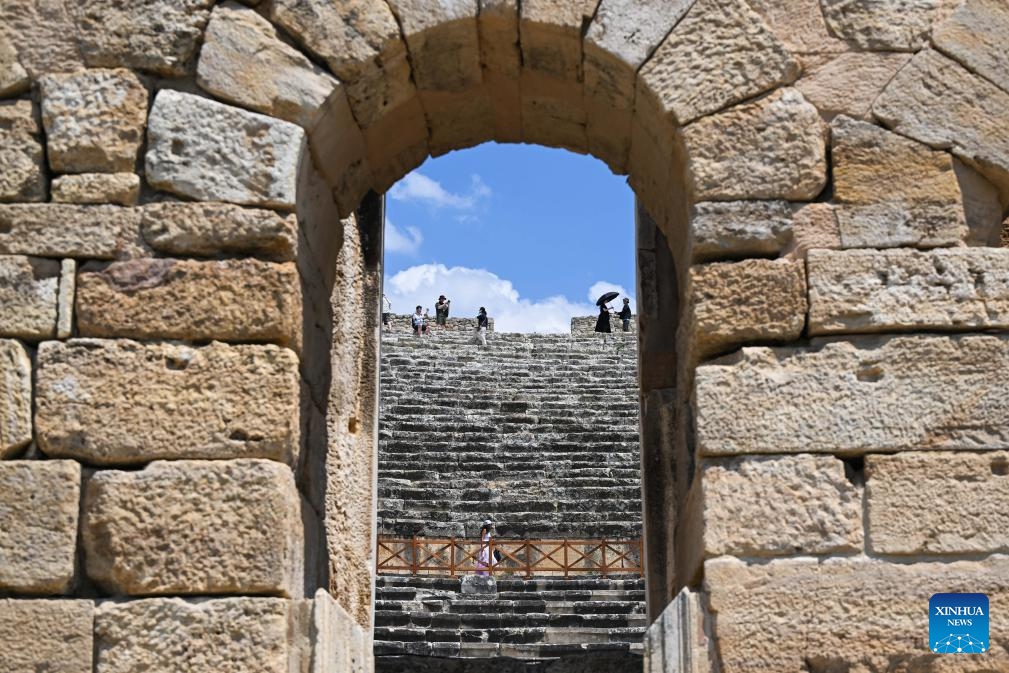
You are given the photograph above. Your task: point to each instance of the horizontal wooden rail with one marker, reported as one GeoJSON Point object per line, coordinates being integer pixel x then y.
{"type": "Point", "coordinates": [452, 556]}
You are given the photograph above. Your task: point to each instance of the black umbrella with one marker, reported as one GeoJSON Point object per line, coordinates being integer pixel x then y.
{"type": "Point", "coordinates": [606, 298]}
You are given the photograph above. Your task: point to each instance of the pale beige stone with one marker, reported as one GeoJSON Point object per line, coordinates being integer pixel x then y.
{"type": "Point", "coordinates": [501, 57]}
{"type": "Point", "coordinates": [814, 602]}
{"type": "Point", "coordinates": [721, 53]}
{"type": "Point", "coordinates": [799, 24]}
{"type": "Point", "coordinates": [340, 644]}
{"type": "Point", "coordinates": [28, 287]}
{"type": "Point", "coordinates": [397, 143]}
{"type": "Point", "coordinates": [94, 120]}
{"type": "Point", "coordinates": [215, 152]}
{"type": "Point", "coordinates": [553, 112]}
{"type": "Point", "coordinates": [38, 505]}
{"type": "Point", "coordinates": [976, 35]}
{"type": "Point", "coordinates": [360, 41]}
{"type": "Point", "coordinates": [160, 37]}
{"type": "Point", "coordinates": [167, 401]}
{"type": "Point", "coordinates": [814, 226]}
{"type": "Point", "coordinates": [21, 155]}
{"type": "Point", "coordinates": [457, 120]}
{"type": "Point", "coordinates": [897, 26]}
{"type": "Point", "coordinates": [848, 83]}
{"type": "Point", "coordinates": [920, 391]}
{"type": "Point", "coordinates": [55, 636]}
{"type": "Point", "coordinates": [194, 527]}
{"type": "Point", "coordinates": [902, 491]}
{"type": "Point", "coordinates": [773, 148]}
{"type": "Point", "coordinates": [229, 300]}
{"type": "Point", "coordinates": [58, 230]}
{"type": "Point", "coordinates": [982, 206]}
{"type": "Point", "coordinates": [244, 61]}
{"type": "Point", "coordinates": [892, 191]}
{"type": "Point", "coordinates": [13, 77]}
{"type": "Point", "coordinates": [43, 34]}
{"type": "Point", "coordinates": [339, 152]}
{"type": "Point", "coordinates": [170, 635]}
{"type": "Point", "coordinates": [443, 41]}
{"type": "Point", "coordinates": [676, 642]}
{"type": "Point", "coordinates": [779, 506]}
{"type": "Point", "coordinates": [755, 300]}
{"type": "Point", "coordinates": [936, 101]}
{"type": "Point", "coordinates": [898, 290]}
{"type": "Point", "coordinates": [207, 229]}
{"type": "Point", "coordinates": [551, 36]}
{"type": "Point", "coordinates": [731, 229]}
{"type": "Point", "coordinates": [65, 299]}
{"type": "Point", "coordinates": [118, 188]}
{"type": "Point", "coordinates": [15, 398]}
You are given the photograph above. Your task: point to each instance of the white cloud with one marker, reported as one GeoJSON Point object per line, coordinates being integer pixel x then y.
{"type": "Point", "coordinates": [420, 188]}
{"type": "Point", "coordinates": [469, 289]}
{"type": "Point", "coordinates": [404, 241]}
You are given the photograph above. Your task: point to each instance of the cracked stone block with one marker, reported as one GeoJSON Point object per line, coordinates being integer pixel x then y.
{"type": "Point", "coordinates": [944, 393]}
{"type": "Point", "coordinates": [28, 289]}
{"type": "Point", "coordinates": [551, 36]}
{"type": "Point", "coordinates": [173, 401]}
{"type": "Point", "coordinates": [900, 290]}
{"type": "Point", "coordinates": [55, 636]}
{"type": "Point", "coordinates": [848, 83]}
{"type": "Point", "coordinates": [194, 527]}
{"type": "Point", "coordinates": [214, 152]}
{"type": "Point", "coordinates": [21, 153]}
{"type": "Point", "coordinates": [976, 35]}
{"type": "Point", "coordinates": [94, 120]}
{"type": "Point", "coordinates": [15, 398]}
{"type": "Point", "coordinates": [39, 500]}
{"type": "Point", "coordinates": [60, 230]}
{"type": "Point", "coordinates": [229, 300]}
{"type": "Point", "coordinates": [209, 229]}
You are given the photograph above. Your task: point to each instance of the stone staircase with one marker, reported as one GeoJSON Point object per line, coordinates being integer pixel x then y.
{"type": "Point", "coordinates": [539, 433]}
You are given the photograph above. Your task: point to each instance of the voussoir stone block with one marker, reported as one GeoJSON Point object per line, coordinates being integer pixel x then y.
{"type": "Point", "coordinates": [938, 102]}
{"type": "Point", "coordinates": [170, 401]}
{"type": "Point", "coordinates": [15, 397]}
{"type": "Point", "coordinates": [194, 527]}
{"type": "Point", "coordinates": [244, 61]}
{"type": "Point", "coordinates": [773, 148]}
{"type": "Point", "coordinates": [28, 290]}
{"type": "Point", "coordinates": [94, 120]}
{"type": "Point", "coordinates": [902, 491]}
{"type": "Point", "coordinates": [39, 500]}
{"type": "Point", "coordinates": [811, 600]}
{"type": "Point", "coordinates": [892, 191]}
{"type": "Point", "coordinates": [229, 635]}
{"type": "Point", "coordinates": [207, 229]}
{"type": "Point", "coordinates": [21, 156]}
{"type": "Point", "coordinates": [122, 189]}
{"type": "Point", "coordinates": [728, 229]}
{"type": "Point", "coordinates": [443, 41]}
{"type": "Point", "coordinates": [921, 392]}
{"type": "Point", "coordinates": [60, 230]}
{"type": "Point", "coordinates": [884, 26]}
{"type": "Point", "coordinates": [893, 290]}
{"type": "Point", "coordinates": [721, 53]}
{"type": "Point", "coordinates": [848, 83]}
{"type": "Point", "coordinates": [229, 300]}
{"type": "Point", "coordinates": [780, 505]}
{"type": "Point", "coordinates": [160, 37]}
{"type": "Point", "coordinates": [215, 152]}
{"type": "Point", "coordinates": [976, 35]}
{"type": "Point", "coordinates": [755, 300]}
{"type": "Point", "coordinates": [551, 36]}
{"type": "Point", "coordinates": [55, 636]}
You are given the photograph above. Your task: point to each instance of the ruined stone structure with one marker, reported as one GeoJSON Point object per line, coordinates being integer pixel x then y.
{"type": "Point", "coordinates": [190, 232]}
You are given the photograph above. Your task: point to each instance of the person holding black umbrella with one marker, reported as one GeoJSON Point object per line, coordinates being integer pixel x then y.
{"type": "Point", "coordinates": [603, 322]}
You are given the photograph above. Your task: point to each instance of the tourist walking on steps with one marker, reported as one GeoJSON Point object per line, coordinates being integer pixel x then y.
{"type": "Point", "coordinates": [483, 558]}
{"type": "Point", "coordinates": [386, 313]}
{"type": "Point", "coordinates": [481, 327]}
{"type": "Point", "coordinates": [441, 311]}
{"type": "Point", "coordinates": [419, 322]}
{"type": "Point", "coordinates": [625, 314]}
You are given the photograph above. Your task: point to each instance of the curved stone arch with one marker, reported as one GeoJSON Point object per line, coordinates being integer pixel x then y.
{"type": "Point", "coordinates": [745, 136]}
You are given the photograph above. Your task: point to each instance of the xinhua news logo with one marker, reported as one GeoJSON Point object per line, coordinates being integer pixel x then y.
{"type": "Point", "coordinates": [958, 623]}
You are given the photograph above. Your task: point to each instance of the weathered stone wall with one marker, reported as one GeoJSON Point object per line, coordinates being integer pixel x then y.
{"type": "Point", "coordinates": [818, 180]}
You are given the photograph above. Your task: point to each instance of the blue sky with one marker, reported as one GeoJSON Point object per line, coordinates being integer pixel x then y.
{"type": "Point", "coordinates": [534, 234]}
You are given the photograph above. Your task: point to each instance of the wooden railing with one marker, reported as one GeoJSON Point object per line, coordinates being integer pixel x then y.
{"type": "Point", "coordinates": [452, 556]}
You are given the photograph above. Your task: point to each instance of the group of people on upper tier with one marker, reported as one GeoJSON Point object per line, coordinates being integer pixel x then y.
{"type": "Point", "coordinates": [420, 318]}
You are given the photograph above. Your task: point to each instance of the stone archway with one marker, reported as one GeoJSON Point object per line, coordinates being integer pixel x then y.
{"type": "Point", "coordinates": [780, 158]}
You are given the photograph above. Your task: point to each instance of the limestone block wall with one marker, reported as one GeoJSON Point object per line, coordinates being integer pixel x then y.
{"type": "Point", "coordinates": [190, 265]}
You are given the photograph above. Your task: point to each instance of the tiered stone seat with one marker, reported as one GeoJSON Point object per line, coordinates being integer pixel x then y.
{"type": "Point", "coordinates": [539, 433]}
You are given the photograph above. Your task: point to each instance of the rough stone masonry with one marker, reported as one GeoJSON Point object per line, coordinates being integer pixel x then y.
{"type": "Point", "coordinates": [190, 268]}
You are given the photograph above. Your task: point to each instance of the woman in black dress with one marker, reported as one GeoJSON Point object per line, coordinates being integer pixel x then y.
{"type": "Point", "coordinates": [603, 322]}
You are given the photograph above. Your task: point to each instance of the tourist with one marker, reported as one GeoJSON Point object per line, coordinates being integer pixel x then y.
{"type": "Point", "coordinates": [625, 314]}
{"type": "Point", "coordinates": [481, 327]}
{"type": "Point", "coordinates": [386, 313]}
{"type": "Point", "coordinates": [483, 561]}
{"type": "Point", "coordinates": [441, 311]}
{"type": "Point", "coordinates": [419, 322]}
{"type": "Point", "coordinates": [603, 322]}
